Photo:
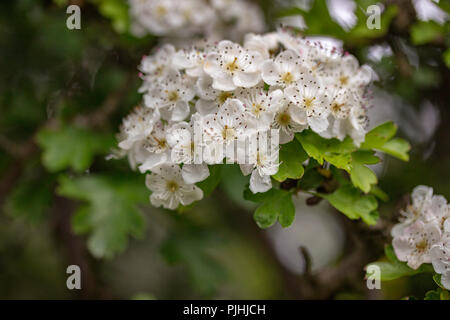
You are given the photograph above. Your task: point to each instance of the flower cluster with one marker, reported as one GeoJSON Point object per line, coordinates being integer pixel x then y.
{"type": "Point", "coordinates": [217, 19]}
{"type": "Point", "coordinates": [219, 97]}
{"type": "Point", "coordinates": [423, 236]}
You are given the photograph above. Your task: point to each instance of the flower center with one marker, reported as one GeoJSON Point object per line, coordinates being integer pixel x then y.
{"type": "Point", "coordinates": [223, 96]}
{"type": "Point", "coordinates": [258, 159]}
{"type": "Point", "coordinates": [228, 133]}
{"type": "Point", "coordinates": [161, 11]}
{"type": "Point", "coordinates": [343, 80]}
{"type": "Point", "coordinates": [284, 119]}
{"type": "Point", "coordinates": [287, 78]}
{"type": "Point", "coordinates": [336, 107]}
{"type": "Point", "coordinates": [233, 66]}
{"type": "Point", "coordinates": [308, 102]}
{"type": "Point", "coordinates": [257, 108]}
{"type": "Point", "coordinates": [172, 96]}
{"type": "Point", "coordinates": [422, 245]}
{"type": "Point", "coordinates": [172, 186]}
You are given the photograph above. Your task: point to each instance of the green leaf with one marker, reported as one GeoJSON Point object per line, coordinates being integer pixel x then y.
{"type": "Point", "coordinates": [292, 156]}
{"type": "Point", "coordinates": [361, 33]}
{"type": "Point", "coordinates": [275, 204]}
{"type": "Point", "coordinates": [336, 152]}
{"type": "Point", "coordinates": [31, 198]}
{"type": "Point", "coordinates": [437, 279]}
{"type": "Point", "coordinates": [423, 32]}
{"type": "Point", "coordinates": [438, 294]}
{"type": "Point", "coordinates": [209, 184]}
{"type": "Point", "coordinates": [110, 212]}
{"type": "Point", "coordinates": [380, 194]}
{"type": "Point", "coordinates": [348, 200]}
{"type": "Point", "coordinates": [433, 295]}
{"type": "Point", "coordinates": [311, 179]}
{"type": "Point", "coordinates": [398, 148]}
{"type": "Point", "coordinates": [380, 138]}
{"type": "Point", "coordinates": [72, 147]}
{"type": "Point", "coordinates": [394, 270]}
{"type": "Point", "coordinates": [361, 176]}
{"type": "Point", "coordinates": [390, 253]}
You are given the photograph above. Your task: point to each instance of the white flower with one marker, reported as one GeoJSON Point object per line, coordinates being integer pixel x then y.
{"type": "Point", "coordinates": [285, 70]}
{"type": "Point", "coordinates": [171, 97]}
{"type": "Point", "coordinates": [311, 103]}
{"type": "Point", "coordinates": [284, 121]}
{"type": "Point", "coordinates": [158, 16]}
{"type": "Point", "coordinates": [440, 255]}
{"type": "Point", "coordinates": [210, 99]}
{"type": "Point", "coordinates": [232, 66]}
{"type": "Point", "coordinates": [425, 207]}
{"type": "Point", "coordinates": [260, 104]}
{"type": "Point", "coordinates": [137, 126]}
{"type": "Point", "coordinates": [265, 44]}
{"type": "Point", "coordinates": [414, 245]}
{"type": "Point", "coordinates": [157, 65]}
{"type": "Point", "coordinates": [169, 189]}
{"type": "Point", "coordinates": [229, 123]}
{"type": "Point", "coordinates": [157, 147]}
{"type": "Point", "coordinates": [348, 74]}
{"type": "Point", "coordinates": [275, 82]}
{"type": "Point", "coordinates": [184, 150]}
{"type": "Point", "coordinates": [440, 258]}
{"type": "Point", "coordinates": [264, 163]}
{"type": "Point", "coordinates": [190, 60]}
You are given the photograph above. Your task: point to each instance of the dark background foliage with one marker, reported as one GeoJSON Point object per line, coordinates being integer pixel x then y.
{"type": "Point", "coordinates": [62, 96]}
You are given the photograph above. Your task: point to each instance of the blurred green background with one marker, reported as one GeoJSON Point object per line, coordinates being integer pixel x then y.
{"type": "Point", "coordinates": [62, 96]}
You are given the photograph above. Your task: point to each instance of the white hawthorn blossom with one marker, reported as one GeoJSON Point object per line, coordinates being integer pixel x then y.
{"type": "Point", "coordinates": [414, 245]}
{"type": "Point", "coordinates": [203, 103]}
{"type": "Point", "coordinates": [263, 163]}
{"type": "Point", "coordinates": [260, 104]}
{"type": "Point", "coordinates": [230, 19]}
{"type": "Point", "coordinates": [171, 96]}
{"type": "Point", "coordinates": [169, 189]}
{"type": "Point", "coordinates": [232, 66]}
{"type": "Point", "coordinates": [157, 147]}
{"type": "Point", "coordinates": [158, 64]}
{"type": "Point", "coordinates": [284, 121]}
{"type": "Point", "coordinates": [137, 126]}
{"type": "Point", "coordinates": [284, 70]}
{"type": "Point", "coordinates": [423, 234]}
{"type": "Point", "coordinates": [440, 258]}
{"type": "Point", "coordinates": [311, 103]}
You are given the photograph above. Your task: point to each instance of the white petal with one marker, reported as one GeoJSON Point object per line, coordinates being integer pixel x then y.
{"type": "Point", "coordinates": [286, 137]}
{"type": "Point", "coordinates": [193, 173]}
{"type": "Point", "coordinates": [153, 161]}
{"type": "Point", "coordinates": [246, 79]}
{"type": "Point", "coordinates": [195, 194]}
{"type": "Point", "coordinates": [402, 248]}
{"type": "Point", "coordinates": [364, 75]}
{"type": "Point", "coordinates": [246, 169]}
{"type": "Point", "coordinates": [318, 124]}
{"type": "Point", "coordinates": [270, 73]}
{"type": "Point", "coordinates": [445, 280]}
{"type": "Point", "coordinates": [447, 225]}
{"type": "Point", "coordinates": [205, 107]}
{"type": "Point", "coordinates": [259, 183]}
{"type": "Point", "coordinates": [211, 65]}
{"type": "Point", "coordinates": [180, 111]}
{"type": "Point", "coordinates": [224, 83]}
{"type": "Point", "coordinates": [298, 115]}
